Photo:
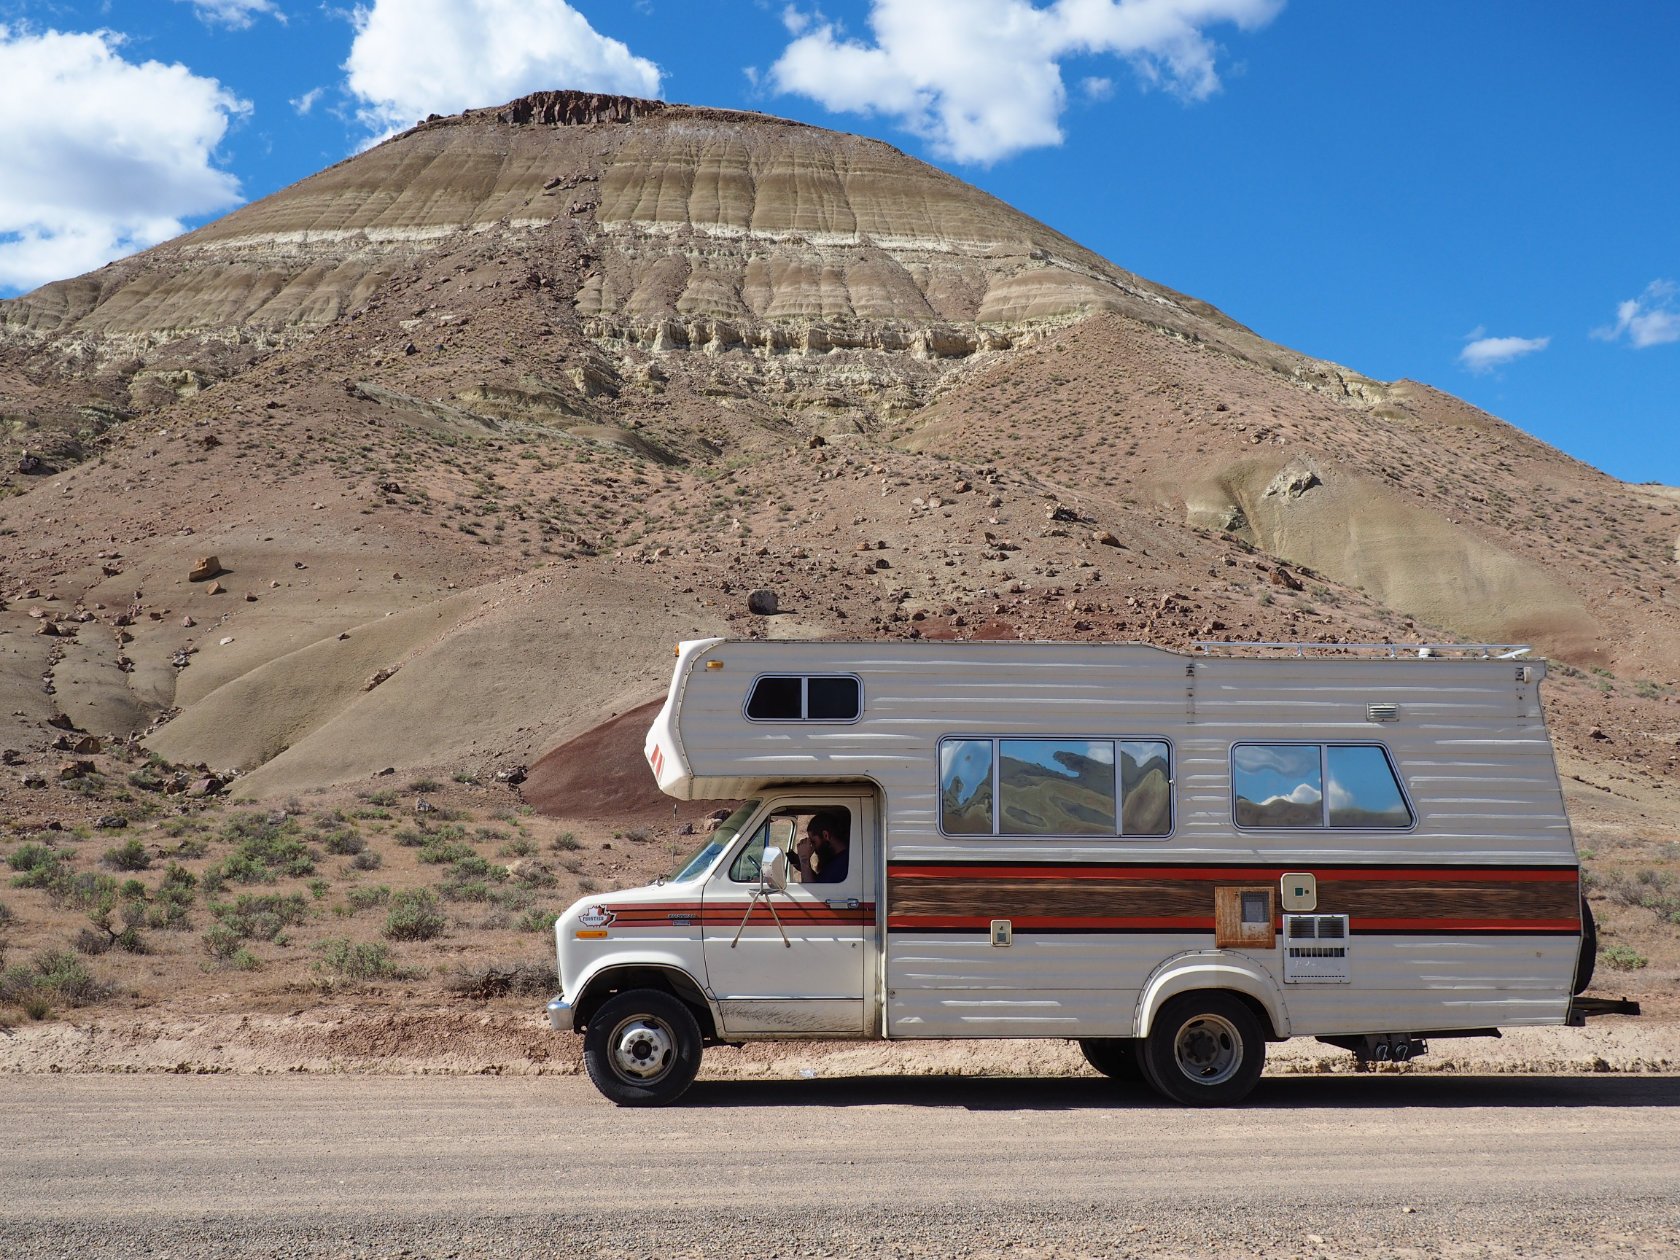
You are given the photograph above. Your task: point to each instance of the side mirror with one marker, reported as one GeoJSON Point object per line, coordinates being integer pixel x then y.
{"type": "Point", "coordinates": [773, 869]}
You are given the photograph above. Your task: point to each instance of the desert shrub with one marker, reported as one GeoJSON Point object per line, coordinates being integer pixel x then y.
{"type": "Point", "coordinates": [517, 848]}
{"type": "Point", "coordinates": [131, 855]}
{"type": "Point", "coordinates": [492, 980]}
{"type": "Point", "coordinates": [444, 852]}
{"type": "Point", "coordinates": [343, 843]}
{"type": "Point", "coordinates": [221, 941]}
{"type": "Point", "coordinates": [115, 921]}
{"type": "Point", "coordinates": [175, 894]}
{"type": "Point", "coordinates": [366, 860]}
{"type": "Point", "coordinates": [533, 875]}
{"type": "Point", "coordinates": [343, 959]}
{"type": "Point", "coordinates": [6, 920]}
{"type": "Point", "coordinates": [85, 890]}
{"type": "Point", "coordinates": [423, 786]}
{"type": "Point", "coordinates": [383, 800]}
{"type": "Point", "coordinates": [261, 916]}
{"type": "Point", "coordinates": [414, 916]}
{"type": "Point", "coordinates": [566, 842]}
{"type": "Point", "coordinates": [638, 835]}
{"type": "Point", "coordinates": [52, 974]}
{"type": "Point", "coordinates": [367, 898]}
{"type": "Point", "coordinates": [409, 838]}
{"type": "Point", "coordinates": [537, 919]}
{"type": "Point", "coordinates": [267, 849]}
{"type": "Point", "coordinates": [470, 878]}
{"type": "Point", "coordinates": [39, 866]}
{"type": "Point", "coordinates": [1648, 889]}
{"type": "Point", "coordinates": [1622, 958]}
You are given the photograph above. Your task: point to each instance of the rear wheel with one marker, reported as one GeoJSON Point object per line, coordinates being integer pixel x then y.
{"type": "Point", "coordinates": [1115, 1057]}
{"type": "Point", "coordinates": [1204, 1049]}
{"type": "Point", "coordinates": [642, 1048]}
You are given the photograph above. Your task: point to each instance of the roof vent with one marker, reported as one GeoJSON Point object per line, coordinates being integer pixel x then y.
{"type": "Point", "coordinates": [1386, 711]}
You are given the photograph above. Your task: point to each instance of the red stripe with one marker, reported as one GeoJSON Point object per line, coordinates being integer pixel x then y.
{"type": "Point", "coordinates": [981, 874]}
{"type": "Point", "coordinates": [902, 922]}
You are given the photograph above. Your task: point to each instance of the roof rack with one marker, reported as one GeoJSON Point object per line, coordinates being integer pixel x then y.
{"type": "Point", "coordinates": [1482, 651]}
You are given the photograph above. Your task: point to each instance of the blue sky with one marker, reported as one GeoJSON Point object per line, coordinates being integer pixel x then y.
{"type": "Point", "coordinates": [1482, 196]}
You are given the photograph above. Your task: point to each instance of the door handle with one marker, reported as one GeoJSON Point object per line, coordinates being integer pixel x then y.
{"type": "Point", "coordinates": [842, 903]}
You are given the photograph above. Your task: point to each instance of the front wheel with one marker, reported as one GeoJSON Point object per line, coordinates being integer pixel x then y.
{"type": "Point", "coordinates": [642, 1048]}
{"type": "Point", "coordinates": [1204, 1049]}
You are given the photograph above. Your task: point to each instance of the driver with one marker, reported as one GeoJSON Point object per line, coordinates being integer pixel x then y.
{"type": "Point", "coordinates": [822, 852]}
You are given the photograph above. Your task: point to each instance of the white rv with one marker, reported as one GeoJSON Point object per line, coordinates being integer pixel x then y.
{"type": "Point", "coordinates": [1171, 859]}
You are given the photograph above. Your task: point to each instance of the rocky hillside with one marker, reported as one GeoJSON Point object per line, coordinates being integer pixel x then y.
{"type": "Point", "coordinates": [476, 424]}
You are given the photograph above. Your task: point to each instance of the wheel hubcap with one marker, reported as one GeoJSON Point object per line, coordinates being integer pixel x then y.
{"type": "Point", "coordinates": [1208, 1049]}
{"type": "Point", "coordinates": [642, 1048]}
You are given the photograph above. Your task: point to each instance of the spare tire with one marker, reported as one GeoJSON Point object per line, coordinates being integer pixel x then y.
{"type": "Point", "coordinates": [1588, 958]}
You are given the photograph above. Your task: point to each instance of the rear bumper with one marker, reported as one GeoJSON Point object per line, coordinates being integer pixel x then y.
{"type": "Point", "coordinates": [560, 1014]}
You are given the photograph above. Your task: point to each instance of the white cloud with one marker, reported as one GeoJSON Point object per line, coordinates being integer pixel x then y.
{"type": "Point", "coordinates": [237, 14]}
{"type": "Point", "coordinates": [1303, 794]}
{"type": "Point", "coordinates": [1097, 87]}
{"type": "Point", "coordinates": [981, 79]}
{"type": "Point", "coordinates": [411, 58]}
{"type": "Point", "coordinates": [102, 156]}
{"type": "Point", "coordinates": [1483, 354]}
{"type": "Point", "coordinates": [306, 103]}
{"type": "Point", "coordinates": [1650, 319]}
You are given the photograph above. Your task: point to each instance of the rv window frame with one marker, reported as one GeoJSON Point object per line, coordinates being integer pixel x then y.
{"type": "Point", "coordinates": [1060, 837]}
{"type": "Point", "coordinates": [804, 698]}
{"type": "Point", "coordinates": [1323, 746]}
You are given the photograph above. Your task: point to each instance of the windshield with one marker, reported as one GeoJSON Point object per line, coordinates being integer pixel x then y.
{"type": "Point", "coordinates": [720, 839]}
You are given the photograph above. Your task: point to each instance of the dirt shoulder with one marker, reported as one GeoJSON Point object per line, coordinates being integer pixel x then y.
{"type": "Point", "coordinates": [392, 1035]}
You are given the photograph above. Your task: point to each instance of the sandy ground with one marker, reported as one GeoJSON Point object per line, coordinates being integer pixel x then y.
{"type": "Point", "coordinates": [1473, 1167]}
{"type": "Point", "coordinates": [511, 1037]}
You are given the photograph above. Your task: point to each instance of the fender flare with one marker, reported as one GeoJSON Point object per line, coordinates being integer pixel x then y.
{"type": "Point", "coordinates": [1210, 969]}
{"type": "Point", "coordinates": [682, 982]}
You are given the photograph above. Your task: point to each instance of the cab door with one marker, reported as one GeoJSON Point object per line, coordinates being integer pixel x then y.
{"type": "Point", "coordinates": [797, 960]}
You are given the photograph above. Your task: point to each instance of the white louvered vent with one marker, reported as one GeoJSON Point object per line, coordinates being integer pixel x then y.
{"type": "Point", "coordinates": [1382, 711]}
{"type": "Point", "coordinates": [1315, 949]}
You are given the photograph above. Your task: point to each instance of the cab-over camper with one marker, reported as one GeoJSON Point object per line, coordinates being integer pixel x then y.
{"type": "Point", "coordinates": [1171, 859]}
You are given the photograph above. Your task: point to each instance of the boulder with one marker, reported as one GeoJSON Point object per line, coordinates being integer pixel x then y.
{"type": "Point", "coordinates": [206, 568]}
{"type": "Point", "coordinates": [762, 602]}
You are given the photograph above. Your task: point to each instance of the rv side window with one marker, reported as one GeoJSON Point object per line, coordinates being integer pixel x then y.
{"type": "Point", "coordinates": [1284, 785]}
{"type": "Point", "coordinates": [797, 698]}
{"type": "Point", "coordinates": [1055, 787]}
{"type": "Point", "coordinates": [1364, 791]}
{"type": "Point", "coordinates": [965, 786]}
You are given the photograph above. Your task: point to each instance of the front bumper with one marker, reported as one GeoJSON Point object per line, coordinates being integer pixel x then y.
{"type": "Point", "coordinates": [560, 1014]}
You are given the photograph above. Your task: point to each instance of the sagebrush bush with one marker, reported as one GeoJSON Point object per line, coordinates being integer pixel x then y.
{"type": "Point", "coordinates": [261, 916]}
{"type": "Point", "coordinates": [443, 852]}
{"type": "Point", "coordinates": [345, 843]}
{"type": "Point", "coordinates": [131, 855]}
{"type": "Point", "coordinates": [343, 959]}
{"type": "Point", "coordinates": [367, 898]}
{"type": "Point", "coordinates": [527, 979]}
{"type": "Point", "coordinates": [54, 973]}
{"type": "Point", "coordinates": [267, 849]}
{"type": "Point", "coordinates": [537, 919]}
{"type": "Point", "coordinates": [414, 916]}
{"type": "Point", "coordinates": [366, 860]}
{"type": "Point", "coordinates": [172, 900]}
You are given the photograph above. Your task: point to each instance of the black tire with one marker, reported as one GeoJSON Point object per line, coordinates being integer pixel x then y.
{"type": "Point", "coordinates": [1115, 1057]}
{"type": "Point", "coordinates": [1587, 960]}
{"type": "Point", "coordinates": [1204, 1049]}
{"type": "Point", "coordinates": [642, 1048]}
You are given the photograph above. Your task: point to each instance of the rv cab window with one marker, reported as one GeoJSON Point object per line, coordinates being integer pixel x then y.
{"type": "Point", "coordinates": [1055, 787]}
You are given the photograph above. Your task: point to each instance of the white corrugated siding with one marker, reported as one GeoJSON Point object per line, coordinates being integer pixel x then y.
{"type": "Point", "coordinates": [1470, 745]}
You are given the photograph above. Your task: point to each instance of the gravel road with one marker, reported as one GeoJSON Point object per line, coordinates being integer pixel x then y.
{"type": "Point", "coordinates": [899, 1167]}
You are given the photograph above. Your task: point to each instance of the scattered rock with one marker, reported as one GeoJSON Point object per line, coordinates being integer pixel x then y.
{"type": "Point", "coordinates": [34, 781]}
{"type": "Point", "coordinates": [511, 775]}
{"type": "Point", "coordinates": [1056, 512]}
{"type": "Point", "coordinates": [382, 676]}
{"type": "Point", "coordinates": [188, 622]}
{"type": "Point", "coordinates": [209, 785]}
{"type": "Point", "coordinates": [817, 440]}
{"type": "Point", "coordinates": [206, 568]}
{"type": "Point", "coordinates": [110, 822]}
{"type": "Point", "coordinates": [1105, 538]}
{"type": "Point", "coordinates": [31, 464]}
{"type": "Point", "coordinates": [1294, 480]}
{"type": "Point", "coordinates": [215, 588]}
{"type": "Point", "coordinates": [762, 602]}
{"type": "Point", "coordinates": [1284, 578]}
{"type": "Point", "coordinates": [1597, 732]}
{"type": "Point", "coordinates": [61, 721]}
{"type": "Point", "coordinates": [74, 770]}
{"type": "Point", "coordinates": [11, 757]}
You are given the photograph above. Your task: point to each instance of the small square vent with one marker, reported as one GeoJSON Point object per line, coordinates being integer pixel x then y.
{"type": "Point", "coordinates": [1382, 711]}
{"type": "Point", "coordinates": [1315, 949]}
